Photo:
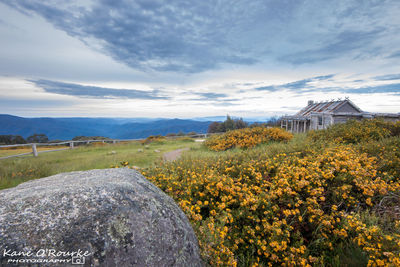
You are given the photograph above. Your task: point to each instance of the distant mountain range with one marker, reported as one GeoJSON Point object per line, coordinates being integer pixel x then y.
{"type": "Point", "coordinates": [119, 128]}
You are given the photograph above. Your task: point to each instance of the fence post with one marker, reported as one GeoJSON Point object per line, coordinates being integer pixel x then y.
{"type": "Point", "coordinates": [34, 150]}
{"type": "Point", "coordinates": [114, 141]}
{"type": "Point", "coordinates": [71, 145]}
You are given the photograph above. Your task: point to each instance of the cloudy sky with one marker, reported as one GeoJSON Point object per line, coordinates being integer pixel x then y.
{"type": "Point", "coordinates": [182, 58]}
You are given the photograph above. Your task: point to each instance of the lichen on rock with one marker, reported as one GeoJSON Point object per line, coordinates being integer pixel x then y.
{"type": "Point", "coordinates": [115, 215]}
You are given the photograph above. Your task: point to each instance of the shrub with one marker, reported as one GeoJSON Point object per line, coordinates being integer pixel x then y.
{"type": "Point", "coordinates": [356, 131]}
{"type": "Point", "coordinates": [185, 139]}
{"type": "Point", "coordinates": [247, 137]}
{"type": "Point", "coordinates": [152, 138]}
{"type": "Point", "coordinates": [386, 152]}
{"type": "Point", "coordinates": [300, 208]}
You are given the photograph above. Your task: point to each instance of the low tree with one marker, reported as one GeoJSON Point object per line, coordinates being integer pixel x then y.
{"type": "Point", "coordinates": [11, 139]}
{"type": "Point", "coordinates": [240, 124]}
{"type": "Point", "coordinates": [180, 133]}
{"type": "Point", "coordinates": [191, 133]}
{"type": "Point", "coordinates": [214, 127]}
{"type": "Point", "coordinates": [228, 125]}
{"type": "Point", "coordinates": [38, 138]}
{"type": "Point", "coordinates": [274, 121]}
{"type": "Point", "coordinates": [85, 138]}
{"type": "Point", "coordinates": [271, 122]}
{"type": "Point", "coordinates": [17, 139]}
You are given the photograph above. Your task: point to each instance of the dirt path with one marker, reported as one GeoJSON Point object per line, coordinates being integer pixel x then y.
{"type": "Point", "coordinates": [173, 155]}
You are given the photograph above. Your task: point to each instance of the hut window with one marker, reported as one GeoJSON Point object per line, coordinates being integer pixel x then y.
{"type": "Point", "coordinates": [319, 120]}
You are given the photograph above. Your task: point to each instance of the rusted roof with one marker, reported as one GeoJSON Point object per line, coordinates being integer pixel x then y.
{"type": "Point", "coordinates": [325, 107]}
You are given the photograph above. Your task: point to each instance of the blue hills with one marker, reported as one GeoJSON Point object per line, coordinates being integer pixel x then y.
{"type": "Point", "coordinates": [119, 128]}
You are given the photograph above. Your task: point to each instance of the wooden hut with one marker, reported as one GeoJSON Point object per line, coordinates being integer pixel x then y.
{"type": "Point", "coordinates": [320, 115]}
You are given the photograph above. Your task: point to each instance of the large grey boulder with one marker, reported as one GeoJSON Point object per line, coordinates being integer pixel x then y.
{"type": "Point", "coordinates": [112, 217]}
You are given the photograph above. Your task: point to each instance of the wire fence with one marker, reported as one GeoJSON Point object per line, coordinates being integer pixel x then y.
{"type": "Point", "coordinates": [72, 144]}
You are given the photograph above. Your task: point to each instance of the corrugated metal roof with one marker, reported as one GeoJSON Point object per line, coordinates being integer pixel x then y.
{"type": "Point", "coordinates": [326, 107]}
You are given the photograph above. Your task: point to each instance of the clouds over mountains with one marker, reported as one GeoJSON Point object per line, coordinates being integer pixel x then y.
{"type": "Point", "coordinates": [326, 83]}
{"type": "Point", "coordinates": [195, 58]}
{"type": "Point", "coordinates": [85, 91]}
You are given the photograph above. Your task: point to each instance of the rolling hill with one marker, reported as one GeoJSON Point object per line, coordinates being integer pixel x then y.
{"type": "Point", "coordinates": [67, 128]}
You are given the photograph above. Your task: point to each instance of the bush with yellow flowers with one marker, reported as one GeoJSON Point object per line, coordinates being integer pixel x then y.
{"type": "Point", "coordinates": [153, 138]}
{"type": "Point", "coordinates": [302, 205]}
{"type": "Point", "coordinates": [356, 131]}
{"type": "Point", "coordinates": [246, 138]}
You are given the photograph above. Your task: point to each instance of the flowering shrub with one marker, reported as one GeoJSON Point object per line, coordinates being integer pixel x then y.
{"type": "Point", "coordinates": [247, 137]}
{"type": "Point", "coordinates": [152, 138]}
{"type": "Point", "coordinates": [388, 153]}
{"type": "Point", "coordinates": [297, 208]}
{"type": "Point", "coordinates": [356, 131]}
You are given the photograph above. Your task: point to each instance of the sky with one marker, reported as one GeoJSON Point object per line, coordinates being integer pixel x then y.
{"type": "Point", "coordinates": [185, 59]}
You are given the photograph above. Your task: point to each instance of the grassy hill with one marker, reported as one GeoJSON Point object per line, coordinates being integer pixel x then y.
{"type": "Point", "coordinates": [262, 197]}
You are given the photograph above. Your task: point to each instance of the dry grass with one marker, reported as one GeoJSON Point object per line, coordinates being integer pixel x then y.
{"type": "Point", "coordinates": [4, 152]}
{"type": "Point", "coordinates": [14, 171]}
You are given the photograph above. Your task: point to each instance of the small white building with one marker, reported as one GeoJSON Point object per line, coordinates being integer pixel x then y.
{"type": "Point", "coordinates": [320, 115]}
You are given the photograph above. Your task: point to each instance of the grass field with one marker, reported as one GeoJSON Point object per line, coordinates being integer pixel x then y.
{"type": "Point", "coordinates": [14, 171]}
{"type": "Point", "coordinates": [26, 149]}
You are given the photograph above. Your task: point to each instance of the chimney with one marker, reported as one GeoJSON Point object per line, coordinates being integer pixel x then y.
{"type": "Point", "coordinates": [310, 102]}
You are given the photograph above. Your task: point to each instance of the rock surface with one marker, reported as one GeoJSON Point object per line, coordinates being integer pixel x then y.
{"type": "Point", "coordinates": [115, 215]}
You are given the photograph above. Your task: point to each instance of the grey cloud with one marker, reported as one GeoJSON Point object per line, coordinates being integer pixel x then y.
{"type": "Point", "coordinates": [212, 95]}
{"type": "Point", "coordinates": [78, 90]}
{"type": "Point", "coordinates": [217, 101]}
{"type": "Point", "coordinates": [323, 77]}
{"type": "Point", "coordinates": [270, 88]}
{"type": "Point", "coordinates": [297, 85]}
{"type": "Point", "coordinates": [387, 88]}
{"type": "Point", "coordinates": [226, 104]}
{"type": "Point", "coordinates": [388, 77]}
{"type": "Point", "coordinates": [344, 42]}
{"type": "Point", "coordinates": [176, 36]}
{"type": "Point", "coordinates": [196, 36]}
{"type": "Point", "coordinates": [395, 54]}
{"type": "Point", "coordinates": [18, 103]}
{"type": "Point", "coordinates": [304, 86]}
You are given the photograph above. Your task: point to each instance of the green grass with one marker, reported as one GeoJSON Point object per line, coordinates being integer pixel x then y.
{"type": "Point", "coordinates": [26, 149]}
{"type": "Point", "coordinates": [14, 171]}
{"type": "Point", "coordinates": [17, 170]}
{"type": "Point", "coordinates": [297, 144]}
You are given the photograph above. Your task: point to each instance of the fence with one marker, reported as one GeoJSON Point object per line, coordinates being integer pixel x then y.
{"type": "Point", "coordinates": [35, 152]}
